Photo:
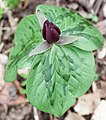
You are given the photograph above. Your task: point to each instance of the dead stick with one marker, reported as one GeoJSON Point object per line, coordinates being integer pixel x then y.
{"type": "Point", "coordinates": [26, 4]}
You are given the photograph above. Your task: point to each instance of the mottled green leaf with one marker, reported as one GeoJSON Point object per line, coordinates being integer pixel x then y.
{"type": "Point", "coordinates": [27, 37]}
{"type": "Point", "coordinates": [61, 71]}
{"type": "Point", "coordinates": [61, 75]}
{"type": "Point", "coordinates": [73, 24]}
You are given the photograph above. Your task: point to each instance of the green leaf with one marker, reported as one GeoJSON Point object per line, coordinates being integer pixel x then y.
{"type": "Point", "coordinates": [95, 18]}
{"type": "Point", "coordinates": [61, 75]}
{"type": "Point", "coordinates": [73, 24]}
{"type": "Point", "coordinates": [61, 71]}
{"type": "Point", "coordinates": [92, 40]}
{"type": "Point", "coordinates": [1, 12]}
{"type": "Point", "coordinates": [11, 3]}
{"type": "Point", "coordinates": [11, 68]}
{"type": "Point", "coordinates": [27, 37]}
{"type": "Point", "coordinates": [23, 91]}
{"type": "Point", "coordinates": [24, 83]}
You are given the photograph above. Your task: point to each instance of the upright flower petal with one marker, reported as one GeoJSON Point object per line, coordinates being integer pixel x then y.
{"type": "Point", "coordinates": [50, 32]}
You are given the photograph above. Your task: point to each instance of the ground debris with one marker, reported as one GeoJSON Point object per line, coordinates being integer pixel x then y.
{"type": "Point", "coordinates": [87, 103]}
{"type": "Point", "coordinates": [73, 6]}
{"type": "Point", "coordinates": [9, 95]}
{"type": "Point", "coordinates": [100, 111]}
{"type": "Point", "coordinates": [73, 116]}
{"type": "Point", "coordinates": [104, 10]}
{"type": "Point", "coordinates": [102, 26]}
{"type": "Point", "coordinates": [102, 53]}
{"type": "Point", "coordinates": [17, 112]}
{"type": "Point", "coordinates": [99, 88]}
{"type": "Point", "coordinates": [3, 62]}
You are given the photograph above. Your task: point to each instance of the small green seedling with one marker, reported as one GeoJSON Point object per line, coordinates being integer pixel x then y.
{"type": "Point", "coordinates": [1, 13]}
{"type": "Point", "coordinates": [11, 3]}
{"type": "Point", "coordinates": [7, 4]}
{"type": "Point", "coordinates": [94, 18]}
{"type": "Point", "coordinates": [57, 45]}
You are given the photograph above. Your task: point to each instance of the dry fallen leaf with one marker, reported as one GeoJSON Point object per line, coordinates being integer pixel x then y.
{"type": "Point", "coordinates": [73, 116]}
{"type": "Point", "coordinates": [3, 62]}
{"type": "Point", "coordinates": [104, 10]}
{"type": "Point", "coordinates": [13, 21]}
{"type": "Point", "coordinates": [92, 2]}
{"type": "Point", "coordinates": [87, 103]}
{"type": "Point", "coordinates": [99, 88]}
{"type": "Point", "coordinates": [50, 2]}
{"type": "Point", "coordinates": [102, 26]}
{"type": "Point", "coordinates": [100, 111]}
{"type": "Point", "coordinates": [24, 71]}
{"type": "Point", "coordinates": [83, 13]}
{"type": "Point", "coordinates": [55, 118]}
{"type": "Point", "coordinates": [102, 53]}
{"type": "Point", "coordinates": [73, 6]}
{"type": "Point", "coordinates": [3, 59]}
{"type": "Point", "coordinates": [2, 71]}
{"type": "Point", "coordinates": [9, 95]}
{"type": "Point", "coordinates": [97, 6]}
{"type": "Point", "coordinates": [10, 29]}
{"type": "Point", "coordinates": [8, 92]}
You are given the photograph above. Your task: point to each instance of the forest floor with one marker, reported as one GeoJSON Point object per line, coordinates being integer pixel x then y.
{"type": "Point", "coordinates": [90, 106]}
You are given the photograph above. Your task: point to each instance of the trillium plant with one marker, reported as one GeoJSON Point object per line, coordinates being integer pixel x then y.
{"type": "Point", "coordinates": [56, 44]}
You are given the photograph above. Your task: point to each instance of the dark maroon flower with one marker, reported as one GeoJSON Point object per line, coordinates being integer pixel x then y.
{"type": "Point", "coordinates": [50, 32]}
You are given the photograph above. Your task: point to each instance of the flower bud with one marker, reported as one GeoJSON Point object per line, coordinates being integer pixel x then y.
{"type": "Point", "coordinates": [50, 32]}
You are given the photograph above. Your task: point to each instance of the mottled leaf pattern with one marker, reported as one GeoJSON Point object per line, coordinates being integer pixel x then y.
{"type": "Point", "coordinates": [61, 75]}
{"type": "Point", "coordinates": [61, 71]}
{"type": "Point", "coordinates": [71, 23]}
{"type": "Point", "coordinates": [27, 36]}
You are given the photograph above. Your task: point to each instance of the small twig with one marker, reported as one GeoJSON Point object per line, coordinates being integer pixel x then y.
{"type": "Point", "coordinates": [7, 51]}
{"type": "Point", "coordinates": [26, 4]}
{"type": "Point", "coordinates": [83, 3]}
{"type": "Point", "coordinates": [6, 28]}
{"type": "Point", "coordinates": [1, 25]}
{"type": "Point", "coordinates": [55, 118]}
{"type": "Point", "coordinates": [19, 1]}
{"type": "Point", "coordinates": [19, 88]}
{"type": "Point", "coordinates": [36, 116]}
{"type": "Point", "coordinates": [1, 46]}
{"type": "Point", "coordinates": [96, 6]}
{"type": "Point", "coordinates": [102, 26]}
{"type": "Point", "coordinates": [40, 115]}
{"type": "Point", "coordinates": [51, 117]}
{"type": "Point", "coordinates": [57, 2]}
